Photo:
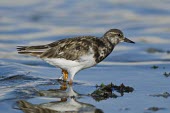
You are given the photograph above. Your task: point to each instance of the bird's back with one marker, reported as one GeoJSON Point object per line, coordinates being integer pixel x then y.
{"type": "Point", "coordinates": [70, 49]}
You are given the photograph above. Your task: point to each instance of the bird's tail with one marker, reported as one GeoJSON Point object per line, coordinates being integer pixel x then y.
{"type": "Point", "coordinates": [32, 50]}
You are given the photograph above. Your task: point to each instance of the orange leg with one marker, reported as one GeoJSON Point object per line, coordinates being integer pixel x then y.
{"type": "Point", "coordinates": [65, 74]}
{"type": "Point", "coordinates": [63, 86]}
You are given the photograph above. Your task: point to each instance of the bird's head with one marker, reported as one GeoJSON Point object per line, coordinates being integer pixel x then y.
{"type": "Point", "coordinates": [115, 36]}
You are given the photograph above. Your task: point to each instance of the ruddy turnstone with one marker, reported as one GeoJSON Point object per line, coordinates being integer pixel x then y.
{"type": "Point", "coordinates": [78, 53]}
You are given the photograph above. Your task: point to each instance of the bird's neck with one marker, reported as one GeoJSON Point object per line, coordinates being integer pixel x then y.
{"type": "Point", "coordinates": [108, 42]}
{"type": "Point", "coordinates": [104, 51]}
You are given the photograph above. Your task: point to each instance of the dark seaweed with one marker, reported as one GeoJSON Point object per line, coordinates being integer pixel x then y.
{"type": "Point", "coordinates": [104, 92]}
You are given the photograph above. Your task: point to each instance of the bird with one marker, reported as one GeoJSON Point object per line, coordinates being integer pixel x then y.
{"type": "Point", "coordinates": [74, 54]}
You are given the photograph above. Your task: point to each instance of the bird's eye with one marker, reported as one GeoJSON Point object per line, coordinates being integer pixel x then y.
{"type": "Point", "coordinates": [118, 34]}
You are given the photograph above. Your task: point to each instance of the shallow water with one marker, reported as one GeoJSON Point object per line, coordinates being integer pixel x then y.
{"type": "Point", "coordinates": [29, 84]}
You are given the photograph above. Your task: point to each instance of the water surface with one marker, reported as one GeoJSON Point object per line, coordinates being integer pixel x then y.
{"type": "Point", "coordinates": [29, 84]}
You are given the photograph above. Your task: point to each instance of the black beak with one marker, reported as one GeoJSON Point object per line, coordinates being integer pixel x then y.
{"type": "Point", "coordinates": [127, 40]}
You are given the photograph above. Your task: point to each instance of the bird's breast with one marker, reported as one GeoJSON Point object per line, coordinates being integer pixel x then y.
{"type": "Point", "coordinates": [102, 53]}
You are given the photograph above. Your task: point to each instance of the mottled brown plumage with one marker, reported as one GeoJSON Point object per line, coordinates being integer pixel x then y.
{"type": "Point", "coordinates": [70, 49]}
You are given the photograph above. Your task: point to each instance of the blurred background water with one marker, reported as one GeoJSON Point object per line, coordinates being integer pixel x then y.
{"type": "Point", "coordinates": [33, 22]}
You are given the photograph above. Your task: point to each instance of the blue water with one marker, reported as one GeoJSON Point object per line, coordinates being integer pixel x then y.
{"type": "Point", "coordinates": [25, 80]}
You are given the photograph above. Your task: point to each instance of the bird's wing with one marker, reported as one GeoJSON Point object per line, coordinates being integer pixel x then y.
{"type": "Point", "coordinates": [70, 49]}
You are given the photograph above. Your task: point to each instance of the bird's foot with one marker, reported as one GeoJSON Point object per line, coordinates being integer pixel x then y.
{"type": "Point", "coordinates": [63, 86]}
{"type": "Point", "coordinates": [70, 82]}
{"type": "Point", "coordinates": [65, 74]}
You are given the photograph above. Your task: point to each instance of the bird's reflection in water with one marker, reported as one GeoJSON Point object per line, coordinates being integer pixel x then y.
{"type": "Point", "coordinates": [67, 102]}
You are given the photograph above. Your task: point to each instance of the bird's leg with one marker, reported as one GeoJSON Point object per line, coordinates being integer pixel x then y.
{"type": "Point", "coordinates": [65, 74]}
{"type": "Point", "coordinates": [63, 86]}
{"type": "Point", "coordinates": [71, 78]}
{"type": "Point", "coordinates": [70, 82]}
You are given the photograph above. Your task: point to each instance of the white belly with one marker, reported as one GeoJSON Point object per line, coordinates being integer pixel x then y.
{"type": "Point", "coordinates": [82, 63]}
